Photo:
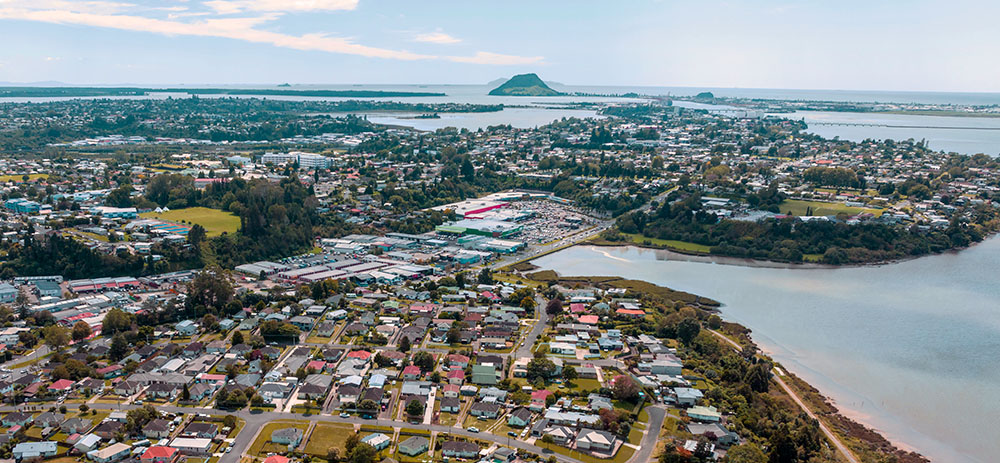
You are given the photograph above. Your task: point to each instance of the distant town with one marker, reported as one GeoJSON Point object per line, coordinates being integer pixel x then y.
{"type": "Point", "coordinates": [226, 280]}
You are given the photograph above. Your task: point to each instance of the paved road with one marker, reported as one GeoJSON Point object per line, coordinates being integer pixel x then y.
{"type": "Point", "coordinates": [829, 434]}
{"type": "Point", "coordinates": [255, 421]}
{"type": "Point", "coordinates": [536, 330]}
{"type": "Point", "coordinates": [648, 444]}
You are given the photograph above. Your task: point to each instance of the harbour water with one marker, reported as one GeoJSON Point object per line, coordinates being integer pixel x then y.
{"type": "Point", "coordinates": [535, 111]}
{"type": "Point", "coordinates": [966, 135]}
{"type": "Point", "coordinates": [909, 348]}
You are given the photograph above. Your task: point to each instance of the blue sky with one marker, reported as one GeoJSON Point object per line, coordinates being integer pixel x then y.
{"type": "Point", "coordinates": [836, 44]}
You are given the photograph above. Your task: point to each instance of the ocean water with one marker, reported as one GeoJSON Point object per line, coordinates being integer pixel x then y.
{"type": "Point", "coordinates": [909, 348]}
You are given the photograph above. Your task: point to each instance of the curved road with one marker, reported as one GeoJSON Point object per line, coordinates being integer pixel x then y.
{"type": "Point", "coordinates": [795, 398]}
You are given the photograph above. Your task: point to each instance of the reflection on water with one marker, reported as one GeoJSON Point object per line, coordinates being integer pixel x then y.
{"type": "Point", "coordinates": [908, 348]}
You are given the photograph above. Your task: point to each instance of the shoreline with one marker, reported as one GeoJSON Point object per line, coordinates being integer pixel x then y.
{"type": "Point", "coordinates": [684, 256]}
{"type": "Point", "coordinates": [851, 424]}
{"type": "Point", "coordinates": [851, 427]}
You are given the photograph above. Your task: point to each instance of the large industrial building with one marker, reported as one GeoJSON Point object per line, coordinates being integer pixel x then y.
{"type": "Point", "coordinates": [482, 227]}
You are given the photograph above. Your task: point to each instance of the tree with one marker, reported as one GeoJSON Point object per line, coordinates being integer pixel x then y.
{"type": "Point", "coordinates": [758, 377]}
{"type": "Point", "coordinates": [137, 418]}
{"type": "Point", "coordinates": [625, 388]}
{"type": "Point", "coordinates": [352, 441]}
{"type": "Point", "coordinates": [548, 439]}
{"type": "Point", "coordinates": [569, 373]}
{"type": "Point", "coordinates": [687, 330]}
{"type": "Point", "coordinates": [468, 170]}
{"type": "Point", "coordinates": [333, 454]}
{"type": "Point", "coordinates": [119, 347]}
{"type": "Point", "coordinates": [367, 405]}
{"type": "Point", "coordinates": [528, 303]}
{"type": "Point", "coordinates": [415, 408]}
{"type": "Point", "coordinates": [746, 453]}
{"type": "Point", "coordinates": [185, 393]}
{"type": "Point", "coordinates": [209, 288]}
{"type": "Point", "coordinates": [540, 368]}
{"type": "Point", "coordinates": [56, 336]}
{"type": "Point", "coordinates": [424, 360]}
{"type": "Point", "coordinates": [116, 321]}
{"type": "Point", "coordinates": [196, 235]}
{"type": "Point", "coordinates": [485, 276]}
{"type": "Point", "coordinates": [81, 330]}
{"type": "Point", "coordinates": [554, 306]}
{"type": "Point", "coordinates": [362, 453]}
{"type": "Point", "coordinates": [237, 337]}
{"type": "Point", "coordinates": [455, 332]}
{"type": "Point", "coordinates": [404, 344]}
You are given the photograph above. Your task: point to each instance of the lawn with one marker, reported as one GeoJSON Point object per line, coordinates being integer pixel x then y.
{"type": "Point", "coordinates": [263, 445]}
{"type": "Point", "coordinates": [215, 221]}
{"type": "Point", "coordinates": [623, 455]}
{"type": "Point", "coordinates": [672, 244]}
{"type": "Point", "coordinates": [820, 208]}
{"type": "Point", "coordinates": [447, 419]}
{"type": "Point", "coordinates": [20, 178]}
{"type": "Point", "coordinates": [585, 384]}
{"type": "Point", "coordinates": [326, 435]}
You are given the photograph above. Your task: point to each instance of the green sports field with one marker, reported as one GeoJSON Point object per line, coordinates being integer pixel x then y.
{"type": "Point", "coordinates": [215, 221]}
{"type": "Point", "coordinates": [798, 207]}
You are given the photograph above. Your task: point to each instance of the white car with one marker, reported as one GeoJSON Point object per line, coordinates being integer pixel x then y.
{"type": "Point", "coordinates": [472, 429]}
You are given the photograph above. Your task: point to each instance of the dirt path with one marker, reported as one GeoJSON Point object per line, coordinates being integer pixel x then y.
{"type": "Point", "coordinates": [826, 431]}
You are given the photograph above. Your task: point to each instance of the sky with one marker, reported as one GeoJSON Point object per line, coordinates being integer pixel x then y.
{"type": "Point", "coordinates": [897, 45]}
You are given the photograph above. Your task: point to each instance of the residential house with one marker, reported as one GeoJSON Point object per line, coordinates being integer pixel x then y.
{"type": "Point", "coordinates": [32, 450]}
{"type": "Point", "coordinates": [459, 449]}
{"type": "Point", "coordinates": [156, 429]}
{"type": "Point", "coordinates": [413, 446]}
{"type": "Point", "coordinates": [485, 375]}
{"type": "Point", "coordinates": [592, 439]}
{"type": "Point", "coordinates": [113, 452]}
{"type": "Point", "coordinates": [287, 436]}
{"type": "Point", "coordinates": [75, 426]}
{"type": "Point", "coordinates": [192, 445]}
{"type": "Point", "coordinates": [377, 440]}
{"type": "Point", "coordinates": [485, 410]}
{"type": "Point", "coordinates": [109, 429]}
{"type": "Point", "coordinates": [519, 417]}
{"type": "Point", "coordinates": [159, 454]}
{"type": "Point", "coordinates": [199, 429]}
{"type": "Point", "coordinates": [451, 405]}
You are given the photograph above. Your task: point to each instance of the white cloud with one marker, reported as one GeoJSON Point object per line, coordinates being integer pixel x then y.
{"type": "Point", "coordinates": [237, 6]}
{"type": "Point", "coordinates": [436, 37]}
{"type": "Point", "coordinates": [485, 57]}
{"type": "Point", "coordinates": [52, 58]}
{"type": "Point", "coordinates": [110, 15]}
{"type": "Point", "coordinates": [231, 28]}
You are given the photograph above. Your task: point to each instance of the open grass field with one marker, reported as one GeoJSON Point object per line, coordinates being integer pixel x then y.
{"type": "Point", "coordinates": [20, 178]}
{"type": "Point", "coordinates": [798, 207]}
{"type": "Point", "coordinates": [672, 244]}
{"type": "Point", "coordinates": [585, 384]}
{"type": "Point", "coordinates": [263, 445]}
{"type": "Point", "coordinates": [326, 435]}
{"type": "Point", "coordinates": [215, 221]}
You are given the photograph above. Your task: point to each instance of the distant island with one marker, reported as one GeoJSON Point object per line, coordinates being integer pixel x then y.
{"type": "Point", "coordinates": [45, 92]}
{"type": "Point", "coordinates": [524, 85]}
